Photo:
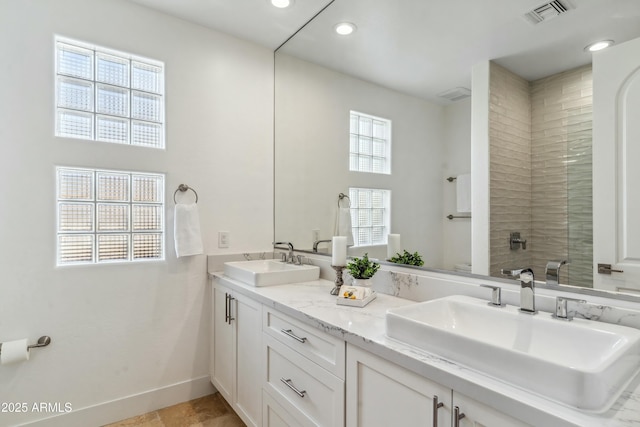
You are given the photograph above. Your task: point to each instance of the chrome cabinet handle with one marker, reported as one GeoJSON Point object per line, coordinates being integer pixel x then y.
{"type": "Point", "coordinates": [436, 405]}
{"type": "Point", "coordinates": [457, 416]}
{"type": "Point", "coordinates": [226, 307]}
{"type": "Point", "coordinates": [289, 333]}
{"type": "Point", "coordinates": [230, 316]}
{"type": "Point", "coordinates": [288, 383]}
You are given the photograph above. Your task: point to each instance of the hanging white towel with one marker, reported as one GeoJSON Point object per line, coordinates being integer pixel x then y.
{"type": "Point", "coordinates": [463, 193]}
{"type": "Point", "coordinates": [187, 230]}
{"type": "Point", "coordinates": [343, 225]}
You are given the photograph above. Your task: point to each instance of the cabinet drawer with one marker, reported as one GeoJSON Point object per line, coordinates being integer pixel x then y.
{"type": "Point", "coordinates": [274, 415]}
{"type": "Point", "coordinates": [321, 348]}
{"type": "Point", "coordinates": [302, 387]}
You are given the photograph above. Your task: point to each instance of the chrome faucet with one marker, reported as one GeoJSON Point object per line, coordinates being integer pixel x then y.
{"type": "Point", "coordinates": [290, 257]}
{"type": "Point", "coordinates": [552, 271]}
{"type": "Point", "coordinates": [317, 242]}
{"type": "Point", "coordinates": [527, 288]}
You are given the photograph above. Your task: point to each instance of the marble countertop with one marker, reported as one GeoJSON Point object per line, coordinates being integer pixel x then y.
{"type": "Point", "coordinates": [312, 304]}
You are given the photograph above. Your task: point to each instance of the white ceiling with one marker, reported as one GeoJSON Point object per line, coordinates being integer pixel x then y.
{"type": "Point", "coordinates": [422, 47]}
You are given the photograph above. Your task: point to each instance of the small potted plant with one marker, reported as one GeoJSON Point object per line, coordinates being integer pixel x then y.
{"type": "Point", "coordinates": [408, 259]}
{"type": "Point", "coordinates": [362, 269]}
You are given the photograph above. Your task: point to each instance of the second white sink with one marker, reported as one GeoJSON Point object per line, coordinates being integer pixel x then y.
{"type": "Point", "coordinates": [270, 272]}
{"type": "Point", "coordinates": [584, 364]}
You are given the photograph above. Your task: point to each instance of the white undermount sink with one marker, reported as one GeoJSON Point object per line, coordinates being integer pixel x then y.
{"type": "Point", "coordinates": [270, 272]}
{"type": "Point", "coordinates": [581, 363]}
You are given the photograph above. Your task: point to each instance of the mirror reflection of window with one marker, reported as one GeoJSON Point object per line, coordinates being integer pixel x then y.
{"type": "Point", "coordinates": [370, 216]}
{"type": "Point", "coordinates": [370, 144]}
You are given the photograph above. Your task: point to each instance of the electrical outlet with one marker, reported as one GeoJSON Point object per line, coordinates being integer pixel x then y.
{"type": "Point", "coordinates": [315, 235]}
{"type": "Point", "coordinates": [224, 239]}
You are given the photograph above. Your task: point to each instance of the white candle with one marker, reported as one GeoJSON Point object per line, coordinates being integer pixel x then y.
{"type": "Point", "coordinates": [339, 251]}
{"type": "Point", "coordinates": [393, 245]}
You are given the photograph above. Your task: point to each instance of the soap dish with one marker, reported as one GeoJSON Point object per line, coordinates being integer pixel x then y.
{"type": "Point", "coordinates": [357, 302]}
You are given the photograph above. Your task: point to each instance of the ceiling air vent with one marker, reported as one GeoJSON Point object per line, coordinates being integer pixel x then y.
{"type": "Point", "coordinates": [456, 94]}
{"type": "Point", "coordinates": [547, 11]}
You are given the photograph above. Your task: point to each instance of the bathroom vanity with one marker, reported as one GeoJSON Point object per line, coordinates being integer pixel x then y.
{"type": "Point", "coordinates": [289, 355]}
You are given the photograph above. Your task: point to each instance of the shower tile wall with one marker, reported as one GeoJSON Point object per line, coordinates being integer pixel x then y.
{"type": "Point", "coordinates": [540, 172]}
{"type": "Point", "coordinates": [561, 125]}
{"type": "Point", "coordinates": [510, 168]}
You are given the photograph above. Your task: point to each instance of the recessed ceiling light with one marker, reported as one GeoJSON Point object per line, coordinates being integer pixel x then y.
{"type": "Point", "coordinates": [282, 3]}
{"type": "Point", "coordinates": [345, 28]}
{"type": "Point", "coordinates": [603, 44]}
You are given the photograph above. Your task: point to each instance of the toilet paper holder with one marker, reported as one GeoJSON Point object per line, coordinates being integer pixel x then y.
{"type": "Point", "coordinates": [43, 341]}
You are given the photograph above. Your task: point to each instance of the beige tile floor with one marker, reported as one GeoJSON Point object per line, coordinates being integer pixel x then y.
{"type": "Point", "coordinates": [208, 411]}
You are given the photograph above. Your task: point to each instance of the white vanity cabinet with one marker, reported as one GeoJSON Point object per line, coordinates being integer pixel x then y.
{"type": "Point", "coordinates": [381, 393]}
{"type": "Point", "coordinates": [236, 354]}
{"type": "Point", "coordinates": [303, 374]}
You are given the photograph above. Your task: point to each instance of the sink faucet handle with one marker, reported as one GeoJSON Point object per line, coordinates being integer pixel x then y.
{"type": "Point", "coordinates": [496, 295]}
{"type": "Point", "coordinates": [562, 307]}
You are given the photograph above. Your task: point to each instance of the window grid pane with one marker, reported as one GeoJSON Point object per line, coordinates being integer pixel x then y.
{"type": "Point", "coordinates": [74, 124]}
{"type": "Point", "coordinates": [96, 99]}
{"type": "Point", "coordinates": [113, 217]}
{"type": "Point", "coordinates": [147, 246]}
{"type": "Point", "coordinates": [369, 143]}
{"type": "Point", "coordinates": [98, 210]}
{"type": "Point", "coordinates": [113, 247]}
{"type": "Point", "coordinates": [369, 215]}
{"type": "Point", "coordinates": [75, 248]}
{"type": "Point", "coordinates": [75, 61]}
{"type": "Point", "coordinates": [112, 70]}
{"type": "Point", "coordinates": [112, 100]}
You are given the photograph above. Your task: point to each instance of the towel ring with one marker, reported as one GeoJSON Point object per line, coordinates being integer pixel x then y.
{"type": "Point", "coordinates": [183, 188]}
{"type": "Point", "coordinates": [342, 196]}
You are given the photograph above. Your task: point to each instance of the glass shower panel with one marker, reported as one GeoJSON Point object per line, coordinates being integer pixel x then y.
{"type": "Point", "coordinates": [579, 192]}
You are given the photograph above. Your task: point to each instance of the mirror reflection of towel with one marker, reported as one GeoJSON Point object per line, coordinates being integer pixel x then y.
{"type": "Point", "coordinates": [187, 230]}
{"type": "Point", "coordinates": [343, 225]}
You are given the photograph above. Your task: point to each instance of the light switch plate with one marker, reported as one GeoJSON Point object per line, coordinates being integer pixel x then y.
{"type": "Point", "coordinates": [223, 239]}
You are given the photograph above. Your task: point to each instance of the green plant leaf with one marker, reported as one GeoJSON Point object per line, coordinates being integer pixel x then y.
{"type": "Point", "coordinates": [362, 268]}
{"type": "Point", "coordinates": [408, 259]}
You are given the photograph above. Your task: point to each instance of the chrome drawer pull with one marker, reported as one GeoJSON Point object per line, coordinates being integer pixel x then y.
{"type": "Point", "coordinates": [436, 405]}
{"type": "Point", "coordinates": [292, 387]}
{"type": "Point", "coordinates": [290, 333]}
{"type": "Point", "coordinates": [457, 416]}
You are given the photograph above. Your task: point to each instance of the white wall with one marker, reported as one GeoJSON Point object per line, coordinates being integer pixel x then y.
{"type": "Point", "coordinates": [312, 157]}
{"type": "Point", "coordinates": [480, 168]}
{"type": "Point", "coordinates": [121, 330]}
{"type": "Point", "coordinates": [456, 242]}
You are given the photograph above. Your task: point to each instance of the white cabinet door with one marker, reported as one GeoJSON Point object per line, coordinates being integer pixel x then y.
{"type": "Point", "coordinates": [616, 156]}
{"type": "Point", "coordinates": [380, 393]}
{"type": "Point", "coordinates": [236, 362]}
{"type": "Point", "coordinates": [475, 414]}
{"type": "Point", "coordinates": [223, 363]}
{"type": "Point", "coordinates": [247, 317]}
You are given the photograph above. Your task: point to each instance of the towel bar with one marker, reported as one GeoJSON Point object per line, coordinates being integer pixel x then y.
{"type": "Point", "coordinates": [458, 216]}
{"type": "Point", "coordinates": [183, 188]}
{"type": "Point", "coordinates": [43, 341]}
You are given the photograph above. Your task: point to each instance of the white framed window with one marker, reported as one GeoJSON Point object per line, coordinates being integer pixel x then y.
{"type": "Point", "coordinates": [109, 216]}
{"type": "Point", "coordinates": [110, 96]}
{"type": "Point", "coordinates": [370, 218]}
{"type": "Point", "coordinates": [369, 143]}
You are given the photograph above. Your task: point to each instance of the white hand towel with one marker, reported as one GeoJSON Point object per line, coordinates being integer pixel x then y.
{"type": "Point", "coordinates": [187, 230]}
{"type": "Point", "coordinates": [343, 225]}
{"type": "Point", "coordinates": [463, 193]}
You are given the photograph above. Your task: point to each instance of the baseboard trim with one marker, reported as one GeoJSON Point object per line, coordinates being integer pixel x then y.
{"type": "Point", "coordinates": [130, 406]}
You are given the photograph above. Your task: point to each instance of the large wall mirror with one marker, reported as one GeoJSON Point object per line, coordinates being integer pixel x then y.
{"type": "Point", "coordinates": [379, 116]}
